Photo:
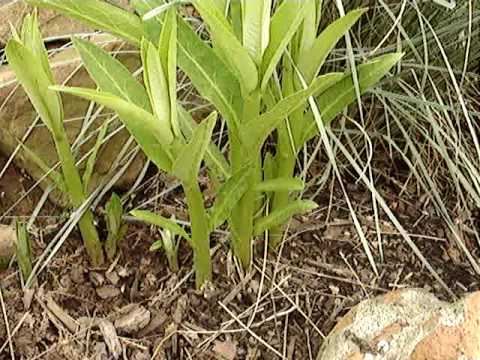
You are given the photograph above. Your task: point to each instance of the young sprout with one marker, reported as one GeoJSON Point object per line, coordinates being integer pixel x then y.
{"type": "Point", "coordinates": [169, 244]}
{"type": "Point", "coordinates": [115, 226]}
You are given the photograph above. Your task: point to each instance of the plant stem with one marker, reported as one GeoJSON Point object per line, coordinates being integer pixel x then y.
{"type": "Point", "coordinates": [200, 233]}
{"type": "Point", "coordinates": [75, 190]}
{"type": "Point", "coordinates": [242, 218]}
{"type": "Point", "coordinates": [285, 168]}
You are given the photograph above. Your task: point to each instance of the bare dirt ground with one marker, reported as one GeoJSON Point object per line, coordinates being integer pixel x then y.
{"type": "Point", "coordinates": [283, 306]}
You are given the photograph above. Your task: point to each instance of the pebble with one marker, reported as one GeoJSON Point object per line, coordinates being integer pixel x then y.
{"type": "Point", "coordinates": [107, 291]}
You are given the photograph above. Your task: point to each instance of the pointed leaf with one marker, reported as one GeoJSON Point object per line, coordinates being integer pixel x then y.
{"type": "Point", "coordinates": [285, 23]}
{"type": "Point", "coordinates": [36, 84]}
{"type": "Point", "coordinates": [230, 47]}
{"type": "Point", "coordinates": [332, 101]}
{"type": "Point", "coordinates": [32, 40]}
{"type": "Point", "coordinates": [168, 54]}
{"type": "Point", "coordinates": [187, 164]}
{"type": "Point", "coordinates": [158, 88]}
{"type": "Point", "coordinates": [254, 132]}
{"type": "Point", "coordinates": [100, 15]}
{"type": "Point", "coordinates": [256, 27]}
{"type": "Point", "coordinates": [269, 167]}
{"type": "Point", "coordinates": [113, 217]}
{"type": "Point", "coordinates": [214, 158]}
{"type": "Point", "coordinates": [162, 222]}
{"type": "Point", "coordinates": [281, 216]}
{"type": "Point", "coordinates": [228, 196]}
{"type": "Point", "coordinates": [309, 26]}
{"type": "Point", "coordinates": [311, 61]}
{"type": "Point", "coordinates": [23, 250]}
{"type": "Point", "coordinates": [110, 74]}
{"type": "Point", "coordinates": [208, 73]}
{"type": "Point", "coordinates": [141, 124]}
{"type": "Point", "coordinates": [280, 184]}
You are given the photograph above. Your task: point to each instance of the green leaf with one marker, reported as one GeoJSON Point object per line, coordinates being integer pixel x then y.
{"type": "Point", "coordinates": [98, 14]}
{"type": "Point", "coordinates": [227, 43]}
{"type": "Point", "coordinates": [285, 23]}
{"type": "Point", "coordinates": [162, 222]}
{"type": "Point", "coordinates": [113, 217]}
{"type": "Point", "coordinates": [36, 84]}
{"type": "Point", "coordinates": [280, 184]}
{"type": "Point", "coordinates": [214, 158]}
{"type": "Point", "coordinates": [256, 27]}
{"type": "Point", "coordinates": [281, 216]}
{"type": "Point", "coordinates": [141, 124]}
{"type": "Point", "coordinates": [110, 74]}
{"type": "Point", "coordinates": [311, 61]}
{"type": "Point", "coordinates": [332, 101]}
{"type": "Point", "coordinates": [23, 250]}
{"type": "Point", "coordinates": [158, 88]}
{"type": "Point", "coordinates": [168, 55]}
{"type": "Point", "coordinates": [152, 27]}
{"type": "Point", "coordinates": [187, 164]}
{"type": "Point", "coordinates": [309, 26]}
{"type": "Point", "coordinates": [269, 168]}
{"type": "Point", "coordinates": [87, 174]}
{"type": "Point", "coordinates": [32, 39]}
{"type": "Point", "coordinates": [228, 196]}
{"type": "Point", "coordinates": [221, 5]}
{"type": "Point", "coordinates": [254, 132]}
{"type": "Point", "coordinates": [208, 73]}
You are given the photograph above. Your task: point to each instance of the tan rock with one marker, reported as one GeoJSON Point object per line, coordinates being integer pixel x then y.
{"type": "Point", "coordinates": [8, 237]}
{"type": "Point", "coordinates": [52, 24]}
{"type": "Point", "coordinates": [407, 324]}
{"type": "Point", "coordinates": [17, 115]}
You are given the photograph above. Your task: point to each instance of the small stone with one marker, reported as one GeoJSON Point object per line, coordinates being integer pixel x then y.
{"type": "Point", "coordinates": [77, 274]}
{"type": "Point", "coordinates": [123, 273]}
{"type": "Point", "coordinates": [134, 320]}
{"type": "Point", "coordinates": [96, 278]}
{"type": "Point", "coordinates": [113, 277]}
{"type": "Point", "coordinates": [141, 355]}
{"type": "Point", "coordinates": [107, 291]}
{"type": "Point", "coordinates": [100, 351]}
{"type": "Point", "coordinates": [66, 281]}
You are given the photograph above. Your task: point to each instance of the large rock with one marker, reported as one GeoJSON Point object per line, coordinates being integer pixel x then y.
{"type": "Point", "coordinates": [407, 324]}
{"type": "Point", "coordinates": [52, 24]}
{"type": "Point", "coordinates": [17, 114]}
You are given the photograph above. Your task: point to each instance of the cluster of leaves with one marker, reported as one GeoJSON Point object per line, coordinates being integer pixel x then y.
{"type": "Point", "coordinates": [261, 71]}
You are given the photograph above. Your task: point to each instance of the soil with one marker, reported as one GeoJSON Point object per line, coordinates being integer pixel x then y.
{"type": "Point", "coordinates": [283, 306]}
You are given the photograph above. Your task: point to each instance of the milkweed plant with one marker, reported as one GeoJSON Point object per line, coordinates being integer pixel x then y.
{"type": "Point", "coordinates": [261, 70]}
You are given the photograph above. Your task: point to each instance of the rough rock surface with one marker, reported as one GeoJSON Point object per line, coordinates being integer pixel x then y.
{"type": "Point", "coordinates": [8, 237]}
{"type": "Point", "coordinates": [52, 24]}
{"type": "Point", "coordinates": [407, 324]}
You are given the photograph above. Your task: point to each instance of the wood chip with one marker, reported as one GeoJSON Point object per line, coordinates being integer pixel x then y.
{"type": "Point", "coordinates": [111, 338]}
{"type": "Point", "coordinates": [136, 319]}
{"type": "Point", "coordinates": [61, 315]}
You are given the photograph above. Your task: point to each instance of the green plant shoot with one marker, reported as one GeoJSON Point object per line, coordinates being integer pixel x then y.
{"type": "Point", "coordinates": [115, 227]}
{"type": "Point", "coordinates": [253, 45]}
{"type": "Point", "coordinates": [23, 50]}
